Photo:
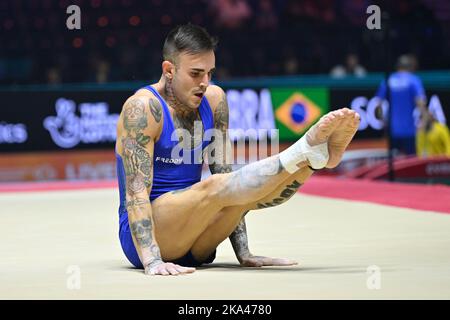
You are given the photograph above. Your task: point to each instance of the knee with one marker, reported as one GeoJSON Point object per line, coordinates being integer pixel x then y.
{"type": "Point", "coordinates": [214, 187]}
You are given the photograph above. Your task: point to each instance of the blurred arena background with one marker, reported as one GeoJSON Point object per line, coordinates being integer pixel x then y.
{"type": "Point", "coordinates": [283, 64]}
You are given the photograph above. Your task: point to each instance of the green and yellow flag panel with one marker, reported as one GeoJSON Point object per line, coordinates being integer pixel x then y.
{"type": "Point", "coordinates": [296, 110]}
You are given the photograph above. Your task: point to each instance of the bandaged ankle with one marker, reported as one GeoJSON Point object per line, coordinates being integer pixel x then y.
{"type": "Point", "coordinates": [301, 151]}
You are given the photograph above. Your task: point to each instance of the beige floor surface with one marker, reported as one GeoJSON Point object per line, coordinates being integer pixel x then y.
{"type": "Point", "coordinates": [335, 241]}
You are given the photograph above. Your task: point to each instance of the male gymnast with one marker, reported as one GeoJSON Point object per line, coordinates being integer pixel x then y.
{"type": "Point", "coordinates": [171, 221]}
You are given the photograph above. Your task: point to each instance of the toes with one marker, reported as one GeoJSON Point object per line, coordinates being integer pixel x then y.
{"type": "Point", "coordinates": [355, 119]}
{"type": "Point", "coordinates": [338, 113]}
{"type": "Point", "coordinates": [326, 121]}
{"type": "Point", "coordinates": [350, 116]}
{"type": "Point", "coordinates": [346, 110]}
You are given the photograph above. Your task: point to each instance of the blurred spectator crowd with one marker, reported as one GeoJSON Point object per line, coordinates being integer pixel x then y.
{"type": "Point", "coordinates": [121, 40]}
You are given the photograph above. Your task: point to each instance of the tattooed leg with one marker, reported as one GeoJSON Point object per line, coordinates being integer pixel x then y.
{"type": "Point", "coordinates": [182, 216]}
{"type": "Point", "coordinates": [220, 201]}
{"type": "Point", "coordinates": [257, 180]}
{"type": "Point", "coordinates": [338, 141]}
{"type": "Point", "coordinates": [252, 181]}
{"type": "Point", "coordinates": [284, 191]}
{"type": "Point", "coordinates": [230, 222]}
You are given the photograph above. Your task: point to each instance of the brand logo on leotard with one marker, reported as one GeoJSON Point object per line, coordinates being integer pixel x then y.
{"type": "Point", "coordinates": [168, 160]}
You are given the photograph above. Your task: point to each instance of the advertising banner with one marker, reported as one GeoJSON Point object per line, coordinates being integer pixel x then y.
{"type": "Point", "coordinates": [36, 125]}
{"type": "Point", "coordinates": [44, 121]}
{"type": "Point", "coordinates": [83, 120]}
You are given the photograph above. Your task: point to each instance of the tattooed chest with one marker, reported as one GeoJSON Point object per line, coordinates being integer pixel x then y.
{"type": "Point", "coordinates": [189, 131]}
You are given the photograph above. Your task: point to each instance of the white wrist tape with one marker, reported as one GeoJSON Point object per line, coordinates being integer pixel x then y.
{"type": "Point", "coordinates": [302, 151]}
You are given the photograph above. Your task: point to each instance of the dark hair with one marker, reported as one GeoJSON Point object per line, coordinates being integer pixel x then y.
{"type": "Point", "coordinates": [406, 62]}
{"type": "Point", "coordinates": [187, 38]}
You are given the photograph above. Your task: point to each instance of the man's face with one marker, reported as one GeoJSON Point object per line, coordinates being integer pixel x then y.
{"type": "Point", "coordinates": [191, 77]}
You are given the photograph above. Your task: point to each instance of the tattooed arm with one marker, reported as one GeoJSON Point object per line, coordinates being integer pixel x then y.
{"type": "Point", "coordinates": [219, 157]}
{"type": "Point", "coordinates": [138, 126]}
{"type": "Point", "coordinates": [220, 162]}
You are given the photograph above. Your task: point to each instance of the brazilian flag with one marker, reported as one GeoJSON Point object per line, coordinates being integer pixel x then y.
{"type": "Point", "coordinates": [296, 110]}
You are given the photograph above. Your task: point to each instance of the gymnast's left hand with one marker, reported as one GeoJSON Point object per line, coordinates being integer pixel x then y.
{"type": "Point", "coordinates": [260, 261]}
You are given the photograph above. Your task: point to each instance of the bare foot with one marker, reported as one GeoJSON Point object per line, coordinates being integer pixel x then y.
{"type": "Point", "coordinates": [323, 129]}
{"type": "Point", "coordinates": [340, 138]}
{"type": "Point", "coordinates": [327, 140]}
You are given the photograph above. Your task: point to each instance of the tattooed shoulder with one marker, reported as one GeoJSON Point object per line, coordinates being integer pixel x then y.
{"type": "Point", "coordinates": [221, 114]}
{"type": "Point", "coordinates": [156, 109]}
{"type": "Point", "coordinates": [134, 115]}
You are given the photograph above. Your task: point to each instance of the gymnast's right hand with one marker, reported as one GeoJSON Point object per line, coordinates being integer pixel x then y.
{"type": "Point", "coordinates": [160, 267]}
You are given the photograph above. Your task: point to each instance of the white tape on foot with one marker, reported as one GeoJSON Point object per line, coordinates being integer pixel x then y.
{"type": "Point", "coordinates": [301, 151]}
